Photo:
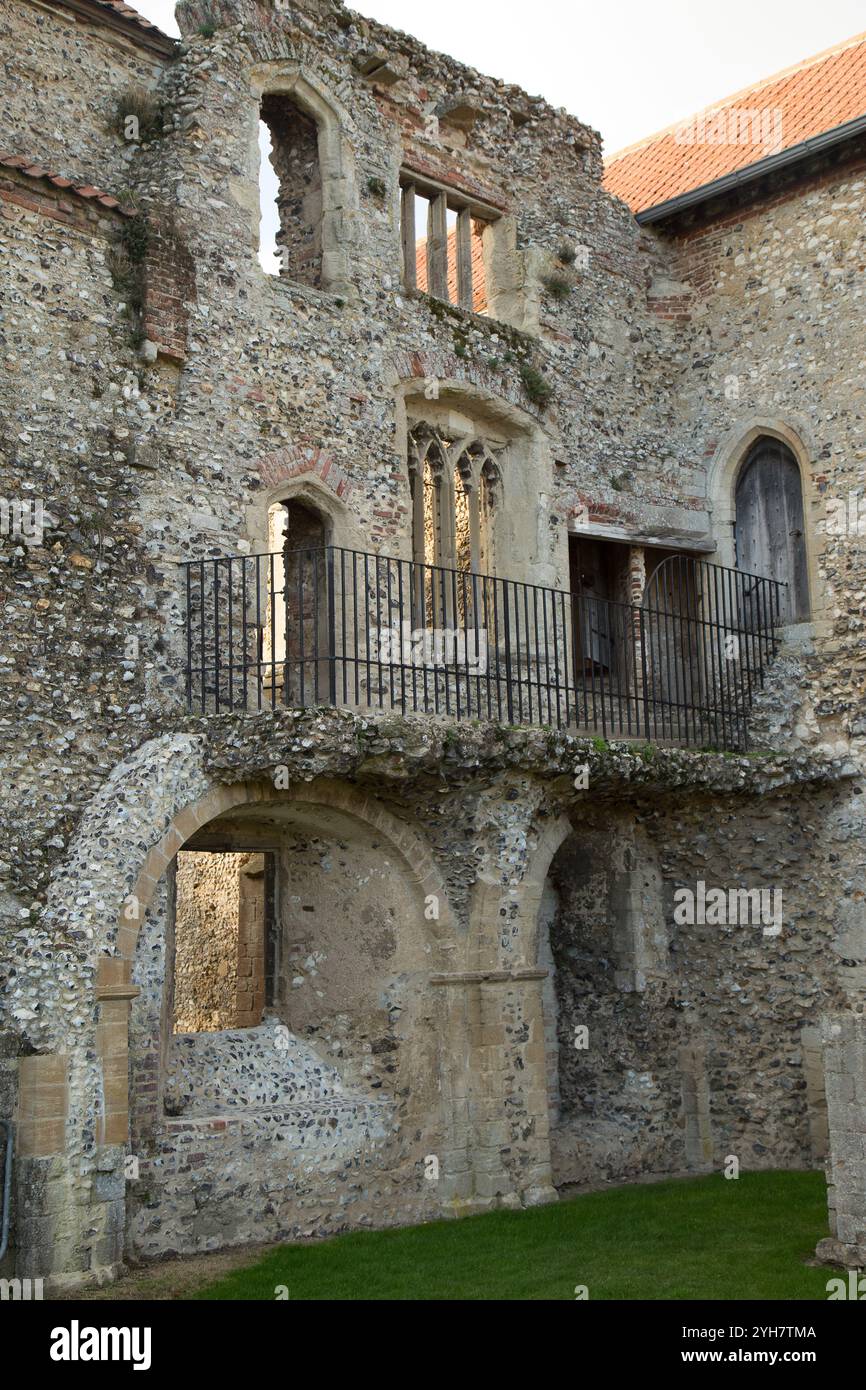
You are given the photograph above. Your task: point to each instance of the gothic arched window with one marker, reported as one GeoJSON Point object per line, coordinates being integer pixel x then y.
{"type": "Point", "coordinates": [454, 485]}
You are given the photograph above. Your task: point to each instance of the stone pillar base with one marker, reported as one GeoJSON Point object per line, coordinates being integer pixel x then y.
{"type": "Point", "coordinates": [540, 1196]}
{"type": "Point", "coordinates": [98, 1277]}
{"type": "Point", "coordinates": [831, 1251]}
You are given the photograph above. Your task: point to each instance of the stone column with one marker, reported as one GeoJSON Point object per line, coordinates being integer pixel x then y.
{"type": "Point", "coordinates": [114, 992]}
{"type": "Point", "coordinates": [501, 1154]}
{"type": "Point", "coordinates": [43, 1186]}
{"type": "Point", "coordinates": [844, 1039]}
{"type": "Point", "coordinates": [698, 1138]}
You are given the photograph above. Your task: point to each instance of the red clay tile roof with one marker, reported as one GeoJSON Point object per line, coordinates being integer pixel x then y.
{"type": "Point", "coordinates": [777, 113]}
{"type": "Point", "coordinates": [84, 190]}
{"type": "Point", "coordinates": [479, 286]}
{"type": "Point", "coordinates": [128, 12]}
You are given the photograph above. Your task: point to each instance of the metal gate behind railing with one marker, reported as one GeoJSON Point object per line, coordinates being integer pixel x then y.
{"type": "Point", "coordinates": [343, 627]}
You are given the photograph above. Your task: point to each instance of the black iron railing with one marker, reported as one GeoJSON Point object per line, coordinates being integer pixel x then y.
{"type": "Point", "coordinates": [342, 627]}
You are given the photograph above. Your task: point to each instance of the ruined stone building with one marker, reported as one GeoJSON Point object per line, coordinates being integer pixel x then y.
{"type": "Point", "coordinates": [433, 671]}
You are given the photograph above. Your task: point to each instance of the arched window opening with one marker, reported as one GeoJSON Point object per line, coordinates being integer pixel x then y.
{"type": "Point", "coordinates": [769, 529]}
{"type": "Point", "coordinates": [465, 519]}
{"type": "Point", "coordinates": [269, 191]}
{"type": "Point", "coordinates": [487, 501]}
{"type": "Point", "coordinates": [454, 484]}
{"type": "Point", "coordinates": [290, 183]}
{"type": "Point", "coordinates": [431, 539]}
{"type": "Point", "coordinates": [430, 498]}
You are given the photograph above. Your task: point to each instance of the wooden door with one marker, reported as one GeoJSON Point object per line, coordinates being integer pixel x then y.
{"type": "Point", "coordinates": [770, 529]}
{"type": "Point", "coordinates": [599, 579]}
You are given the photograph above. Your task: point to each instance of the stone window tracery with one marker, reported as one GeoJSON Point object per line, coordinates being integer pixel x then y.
{"type": "Point", "coordinates": [455, 482]}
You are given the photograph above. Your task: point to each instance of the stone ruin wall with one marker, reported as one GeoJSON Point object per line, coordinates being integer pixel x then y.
{"type": "Point", "coordinates": [712, 1024]}
{"type": "Point", "coordinates": [207, 941]}
{"type": "Point", "coordinates": [145, 463]}
{"type": "Point", "coordinates": [145, 466]}
{"type": "Point", "coordinates": [698, 1036]}
{"type": "Point", "coordinates": [767, 286]}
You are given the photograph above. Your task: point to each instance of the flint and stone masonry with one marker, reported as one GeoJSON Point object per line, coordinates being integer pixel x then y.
{"type": "Point", "coordinates": [290, 972]}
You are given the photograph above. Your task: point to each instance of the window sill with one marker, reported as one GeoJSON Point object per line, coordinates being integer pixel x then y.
{"type": "Point", "coordinates": [443, 308]}
{"type": "Point", "coordinates": [292, 289]}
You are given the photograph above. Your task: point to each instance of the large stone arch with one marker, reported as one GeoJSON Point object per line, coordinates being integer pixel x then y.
{"type": "Point", "coordinates": [150, 806]}
{"type": "Point", "coordinates": [134, 829]}
{"type": "Point", "coordinates": [495, 893]}
{"type": "Point", "coordinates": [195, 800]}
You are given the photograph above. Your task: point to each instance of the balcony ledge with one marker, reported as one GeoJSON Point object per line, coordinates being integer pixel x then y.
{"type": "Point", "coordinates": [388, 748]}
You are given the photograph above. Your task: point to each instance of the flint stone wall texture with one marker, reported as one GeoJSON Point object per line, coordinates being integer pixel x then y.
{"type": "Point", "coordinates": [206, 941]}
{"type": "Point", "coordinates": [845, 1065]}
{"type": "Point", "coordinates": [725, 998]}
{"type": "Point", "coordinates": [147, 453]}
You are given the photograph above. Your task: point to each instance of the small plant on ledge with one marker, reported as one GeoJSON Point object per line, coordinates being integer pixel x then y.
{"type": "Point", "coordinates": [137, 116]}
{"type": "Point", "coordinates": [536, 386]}
{"type": "Point", "coordinates": [557, 287]}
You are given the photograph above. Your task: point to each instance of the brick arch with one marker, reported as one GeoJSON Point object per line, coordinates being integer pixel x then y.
{"type": "Point", "coordinates": [305, 473]}
{"type": "Point", "coordinates": [303, 460]}
{"type": "Point", "coordinates": [462, 374]}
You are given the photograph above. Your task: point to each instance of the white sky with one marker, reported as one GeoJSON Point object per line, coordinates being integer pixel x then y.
{"type": "Point", "coordinates": [626, 67]}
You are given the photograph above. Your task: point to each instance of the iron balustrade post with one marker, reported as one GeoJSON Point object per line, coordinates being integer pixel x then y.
{"type": "Point", "coordinates": [644, 676]}
{"type": "Point", "coordinates": [332, 628]}
{"type": "Point", "coordinates": [506, 623]}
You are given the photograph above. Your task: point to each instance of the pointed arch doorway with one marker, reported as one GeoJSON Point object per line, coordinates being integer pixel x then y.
{"type": "Point", "coordinates": [769, 525]}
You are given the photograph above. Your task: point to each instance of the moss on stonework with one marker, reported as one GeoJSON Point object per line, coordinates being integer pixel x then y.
{"type": "Point", "coordinates": [395, 748]}
{"type": "Point", "coordinates": [125, 260]}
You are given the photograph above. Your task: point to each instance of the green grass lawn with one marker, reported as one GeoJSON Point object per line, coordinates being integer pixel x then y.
{"type": "Point", "coordinates": [694, 1238]}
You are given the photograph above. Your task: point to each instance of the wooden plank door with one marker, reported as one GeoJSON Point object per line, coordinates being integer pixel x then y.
{"type": "Point", "coordinates": [770, 529]}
